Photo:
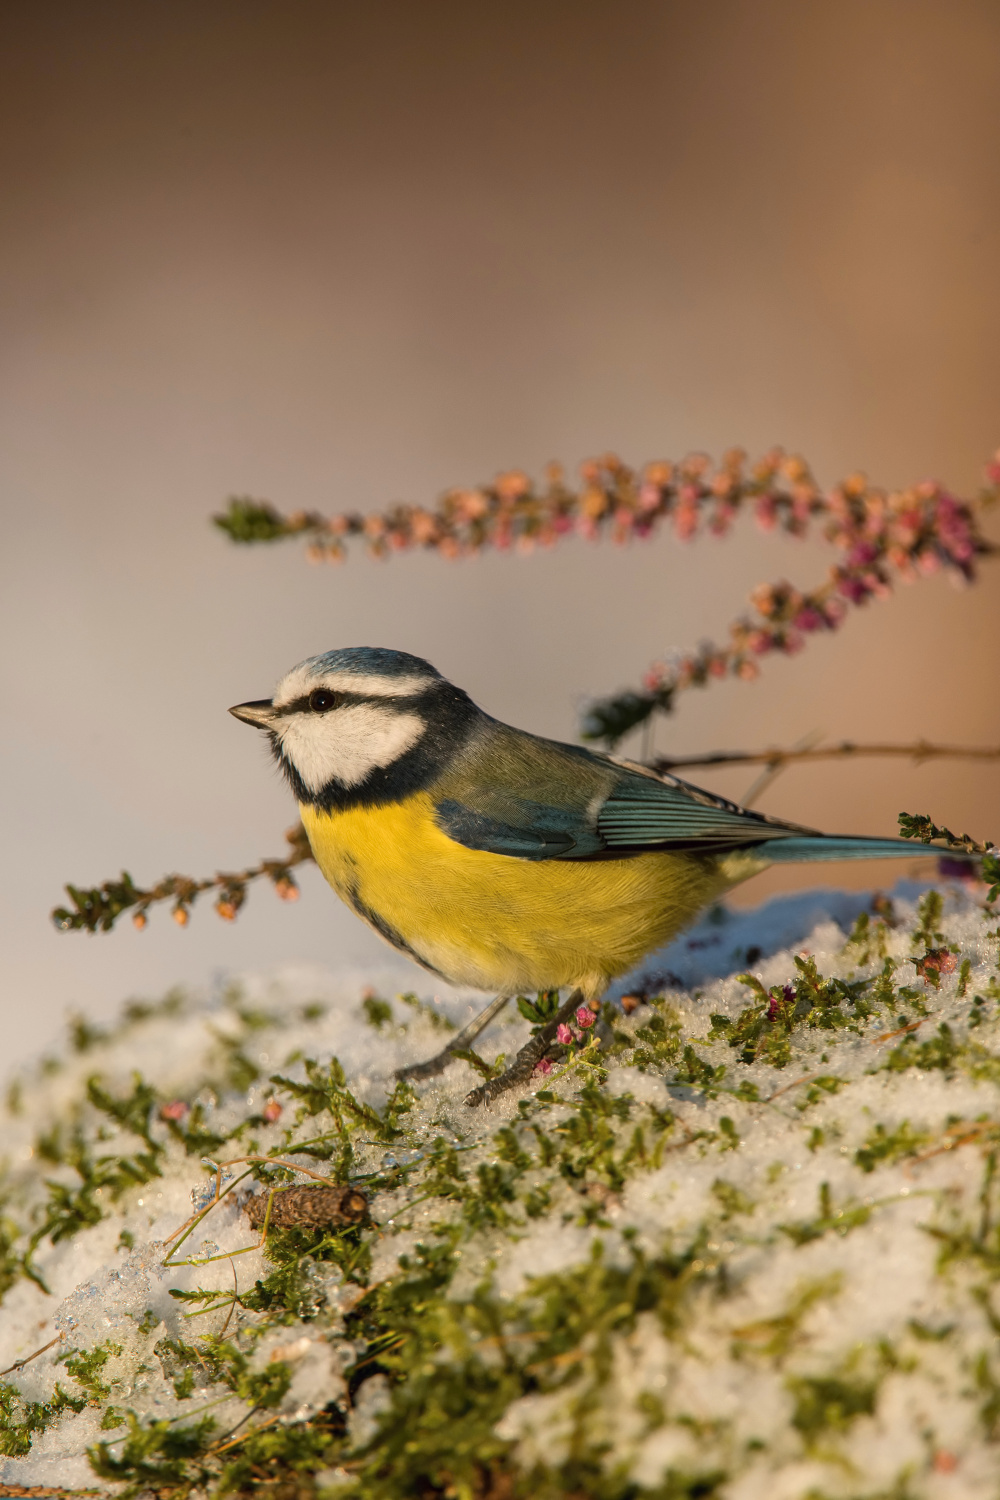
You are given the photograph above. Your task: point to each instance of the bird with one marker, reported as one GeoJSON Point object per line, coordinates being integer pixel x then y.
{"type": "Point", "coordinates": [496, 858]}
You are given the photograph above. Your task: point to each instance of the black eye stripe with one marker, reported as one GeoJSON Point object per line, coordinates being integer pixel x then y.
{"type": "Point", "coordinates": [304, 705]}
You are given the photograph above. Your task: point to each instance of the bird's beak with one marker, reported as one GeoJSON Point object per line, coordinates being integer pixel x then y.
{"type": "Point", "coordinates": [260, 714]}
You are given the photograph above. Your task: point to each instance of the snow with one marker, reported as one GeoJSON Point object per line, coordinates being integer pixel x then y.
{"type": "Point", "coordinates": [863, 1300]}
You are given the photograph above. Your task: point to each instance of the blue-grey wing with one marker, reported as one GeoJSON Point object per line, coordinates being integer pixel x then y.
{"type": "Point", "coordinates": [536, 799]}
{"type": "Point", "coordinates": [530, 830]}
{"type": "Point", "coordinates": [644, 810]}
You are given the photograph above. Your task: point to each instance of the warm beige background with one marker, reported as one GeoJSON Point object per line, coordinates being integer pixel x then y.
{"type": "Point", "coordinates": [338, 254]}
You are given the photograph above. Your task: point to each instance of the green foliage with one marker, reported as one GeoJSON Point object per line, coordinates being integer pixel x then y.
{"type": "Point", "coordinates": [763, 1031]}
{"type": "Point", "coordinates": [247, 520]}
{"type": "Point", "coordinates": [377, 1013]}
{"type": "Point", "coordinates": [96, 909]}
{"type": "Point", "coordinates": [611, 719]}
{"type": "Point", "coordinates": [159, 1455]}
{"type": "Point", "coordinates": [658, 1041]}
{"type": "Point", "coordinates": [889, 1145]}
{"type": "Point", "coordinates": [826, 1404]}
{"type": "Point", "coordinates": [85, 1366]}
{"type": "Point", "coordinates": [920, 827]}
{"type": "Point", "coordinates": [541, 1010]}
{"type": "Point", "coordinates": [828, 1220]}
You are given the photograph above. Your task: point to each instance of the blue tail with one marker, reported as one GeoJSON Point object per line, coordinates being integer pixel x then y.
{"type": "Point", "coordinates": [833, 846]}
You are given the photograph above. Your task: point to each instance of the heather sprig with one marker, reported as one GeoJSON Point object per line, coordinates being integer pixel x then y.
{"type": "Point", "coordinates": [97, 908]}
{"type": "Point", "coordinates": [882, 537]}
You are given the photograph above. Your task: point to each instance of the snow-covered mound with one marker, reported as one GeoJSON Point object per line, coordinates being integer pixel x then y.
{"type": "Point", "coordinates": [740, 1240]}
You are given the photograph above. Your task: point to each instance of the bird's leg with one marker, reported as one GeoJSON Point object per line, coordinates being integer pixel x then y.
{"type": "Point", "coordinates": [435, 1065]}
{"type": "Point", "coordinates": [532, 1052]}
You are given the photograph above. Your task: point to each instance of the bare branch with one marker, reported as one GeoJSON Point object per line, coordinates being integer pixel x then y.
{"type": "Point", "coordinates": [918, 751]}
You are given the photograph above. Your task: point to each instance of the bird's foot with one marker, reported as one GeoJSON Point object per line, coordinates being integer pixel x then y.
{"type": "Point", "coordinates": [531, 1053]}
{"type": "Point", "coordinates": [414, 1072]}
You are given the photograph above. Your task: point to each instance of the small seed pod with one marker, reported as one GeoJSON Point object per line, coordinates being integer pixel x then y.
{"type": "Point", "coordinates": [308, 1207]}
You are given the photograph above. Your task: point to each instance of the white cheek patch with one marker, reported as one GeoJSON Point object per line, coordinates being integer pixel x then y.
{"type": "Point", "coordinates": [301, 681]}
{"type": "Point", "coordinates": [346, 744]}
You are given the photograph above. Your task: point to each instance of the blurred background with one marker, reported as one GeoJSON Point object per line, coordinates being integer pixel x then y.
{"type": "Point", "coordinates": [340, 256]}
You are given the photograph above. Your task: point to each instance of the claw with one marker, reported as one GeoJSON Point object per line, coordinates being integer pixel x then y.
{"type": "Point", "coordinates": [531, 1053]}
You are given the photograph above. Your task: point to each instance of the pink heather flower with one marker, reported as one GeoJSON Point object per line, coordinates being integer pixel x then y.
{"type": "Point", "coordinates": [810, 619]}
{"type": "Point", "coordinates": [993, 471]}
{"type": "Point", "coordinates": [271, 1111]}
{"type": "Point", "coordinates": [584, 1018]}
{"type": "Point", "coordinates": [175, 1110]}
{"type": "Point", "coordinates": [685, 521]}
{"type": "Point", "coordinates": [861, 554]}
{"type": "Point", "coordinates": [424, 528]}
{"type": "Point", "coordinates": [748, 670]}
{"type": "Point", "coordinates": [787, 996]}
{"type": "Point", "coordinates": [936, 961]}
{"type": "Point", "coordinates": [563, 1034]}
{"type": "Point", "coordinates": [543, 1066]}
{"type": "Point", "coordinates": [854, 589]}
{"type": "Point", "coordinates": [765, 513]}
{"type": "Point", "coordinates": [721, 520]}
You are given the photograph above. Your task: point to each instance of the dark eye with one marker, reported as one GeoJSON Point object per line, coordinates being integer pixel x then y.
{"type": "Point", "coordinates": [322, 700]}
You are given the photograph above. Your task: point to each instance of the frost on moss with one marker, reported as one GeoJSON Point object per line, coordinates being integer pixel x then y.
{"type": "Point", "coordinates": [747, 1245]}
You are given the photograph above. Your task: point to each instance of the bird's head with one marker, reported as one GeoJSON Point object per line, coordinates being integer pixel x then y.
{"type": "Point", "coordinates": [362, 725]}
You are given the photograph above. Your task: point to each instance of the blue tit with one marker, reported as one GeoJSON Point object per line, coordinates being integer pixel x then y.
{"type": "Point", "coordinates": [493, 857]}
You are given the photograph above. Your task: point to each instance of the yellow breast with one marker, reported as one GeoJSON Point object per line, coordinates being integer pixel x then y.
{"type": "Point", "coordinates": [499, 923]}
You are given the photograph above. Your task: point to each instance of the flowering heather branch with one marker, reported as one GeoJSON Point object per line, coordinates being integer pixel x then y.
{"type": "Point", "coordinates": [97, 909]}
{"type": "Point", "coordinates": [881, 537]}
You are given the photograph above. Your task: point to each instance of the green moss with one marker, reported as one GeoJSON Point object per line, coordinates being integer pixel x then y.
{"type": "Point", "coordinates": [86, 1365]}
{"type": "Point", "coordinates": [828, 1404]}
{"type": "Point", "coordinates": [889, 1146]}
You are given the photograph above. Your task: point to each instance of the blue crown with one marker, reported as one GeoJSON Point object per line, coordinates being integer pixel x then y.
{"type": "Point", "coordinates": [375, 661]}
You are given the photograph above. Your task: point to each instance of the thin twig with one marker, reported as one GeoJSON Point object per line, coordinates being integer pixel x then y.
{"type": "Point", "coordinates": [19, 1364]}
{"type": "Point", "coordinates": [918, 752]}
{"type": "Point", "coordinates": [887, 1036]}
